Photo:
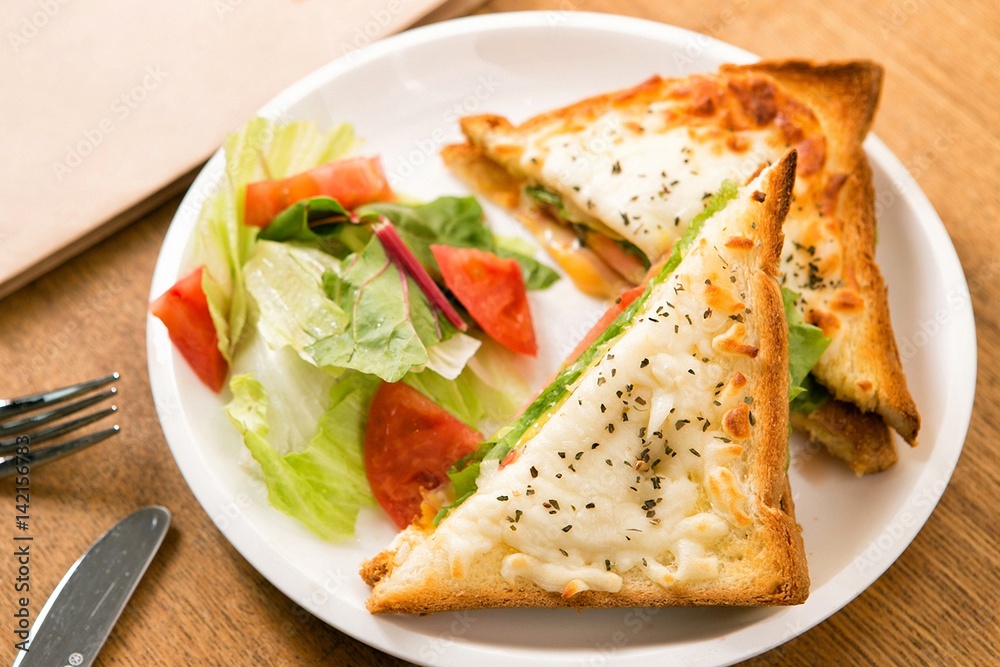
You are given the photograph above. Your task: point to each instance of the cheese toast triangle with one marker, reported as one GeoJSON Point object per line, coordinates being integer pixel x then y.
{"type": "Point", "coordinates": [652, 471]}
{"type": "Point", "coordinates": [635, 165]}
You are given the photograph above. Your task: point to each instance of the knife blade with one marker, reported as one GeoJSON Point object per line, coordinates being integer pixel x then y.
{"type": "Point", "coordinates": [77, 618]}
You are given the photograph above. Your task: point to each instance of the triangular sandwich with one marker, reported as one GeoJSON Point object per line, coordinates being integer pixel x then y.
{"type": "Point", "coordinates": [610, 183]}
{"type": "Point", "coordinates": [652, 471]}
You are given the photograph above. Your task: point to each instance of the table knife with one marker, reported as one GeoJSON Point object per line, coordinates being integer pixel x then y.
{"type": "Point", "coordinates": [77, 618]}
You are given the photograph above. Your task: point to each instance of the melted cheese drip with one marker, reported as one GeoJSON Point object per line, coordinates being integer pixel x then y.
{"type": "Point", "coordinates": [643, 180]}
{"type": "Point", "coordinates": [625, 474]}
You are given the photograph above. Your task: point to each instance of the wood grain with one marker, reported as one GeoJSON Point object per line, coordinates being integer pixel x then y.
{"type": "Point", "coordinates": [202, 603]}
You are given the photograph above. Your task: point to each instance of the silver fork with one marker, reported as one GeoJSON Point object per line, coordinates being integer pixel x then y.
{"type": "Point", "coordinates": [20, 435]}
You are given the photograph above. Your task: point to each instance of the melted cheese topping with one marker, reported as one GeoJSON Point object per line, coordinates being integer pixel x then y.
{"type": "Point", "coordinates": [640, 467]}
{"type": "Point", "coordinates": [642, 178]}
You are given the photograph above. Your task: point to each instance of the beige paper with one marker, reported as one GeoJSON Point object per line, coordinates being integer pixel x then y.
{"type": "Point", "coordinates": [109, 106]}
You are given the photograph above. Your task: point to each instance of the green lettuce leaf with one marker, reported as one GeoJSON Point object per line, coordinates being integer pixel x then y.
{"type": "Point", "coordinates": [454, 221]}
{"type": "Point", "coordinates": [449, 357]}
{"type": "Point", "coordinates": [261, 149]}
{"type": "Point", "coordinates": [350, 313]}
{"type": "Point", "coordinates": [812, 397]}
{"type": "Point", "coordinates": [391, 324]}
{"type": "Point", "coordinates": [806, 344]}
{"type": "Point", "coordinates": [292, 224]}
{"type": "Point", "coordinates": [481, 402]}
{"type": "Point", "coordinates": [458, 222]}
{"type": "Point", "coordinates": [286, 283]}
{"type": "Point", "coordinates": [323, 485]}
{"type": "Point", "coordinates": [536, 275]}
{"type": "Point", "coordinates": [547, 198]}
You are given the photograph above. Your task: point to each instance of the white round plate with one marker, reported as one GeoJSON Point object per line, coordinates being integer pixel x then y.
{"type": "Point", "coordinates": [404, 96]}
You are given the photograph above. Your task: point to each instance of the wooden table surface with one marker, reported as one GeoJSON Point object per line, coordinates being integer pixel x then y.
{"type": "Point", "coordinates": [202, 603]}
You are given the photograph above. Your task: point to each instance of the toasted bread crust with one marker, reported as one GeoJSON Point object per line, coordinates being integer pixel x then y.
{"type": "Point", "coordinates": [860, 439]}
{"type": "Point", "coordinates": [483, 175]}
{"type": "Point", "coordinates": [866, 370]}
{"type": "Point", "coordinates": [768, 462]}
{"type": "Point", "coordinates": [772, 566]}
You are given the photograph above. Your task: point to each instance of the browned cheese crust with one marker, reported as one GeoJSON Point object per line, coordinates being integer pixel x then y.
{"type": "Point", "coordinates": [771, 566]}
{"type": "Point", "coordinates": [862, 366]}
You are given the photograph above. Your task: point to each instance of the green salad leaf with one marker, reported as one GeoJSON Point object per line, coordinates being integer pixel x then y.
{"type": "Point", "coordinates": [812, 397]}
{"type": "Point", "coordinates": [458, 222]}
{"type": "Point", "coordinates": [547, 198]}
{"type": "Point", "coordinates": [293, 224]}
{"type": "Point", "coordinates": [536, 275]}
{"type": "Point", "coordinates": [261, 149]}
{"type": "Point", "coordinates": [323, 484]}
{"type": "Point", "coordinates": [454, 221]}
{"type": "Point", "coordinates": [286, 283]}
{"type": "Point", "coordinates": [391, 324]}
{"type": "Point", "coordinates": [806, 344]}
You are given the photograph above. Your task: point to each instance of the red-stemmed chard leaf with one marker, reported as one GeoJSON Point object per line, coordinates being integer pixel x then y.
{"type": "Point", "coordinates": [404, 258]}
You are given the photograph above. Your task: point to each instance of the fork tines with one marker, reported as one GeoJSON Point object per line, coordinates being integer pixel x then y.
{"type": "Point", "coordinates": [20, 435]}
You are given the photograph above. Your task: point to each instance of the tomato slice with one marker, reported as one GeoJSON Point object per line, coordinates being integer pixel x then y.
{"type": "Point", "coordinates": [492, 289]}
{"type": "Point", "coordinates": [184, 310]}
{"type": "Point", "coordinates": [614, 310]}
{"type": "Point", "coordinates": [351, 182]}
{"type": "Point", "coordinates": [410, 443]}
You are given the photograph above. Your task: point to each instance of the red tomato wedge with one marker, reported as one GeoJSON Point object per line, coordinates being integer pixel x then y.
{"type": "Point", "coordinates": [614, 310]}
{"type": "Point", "coordinates": [492, 289]}
{"type": "Point", "coordinates": [352, 182]}
{"type": "Point", "coordinates": [184, 310]}
{"type": "Point", "coordinates": [410, 443]}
